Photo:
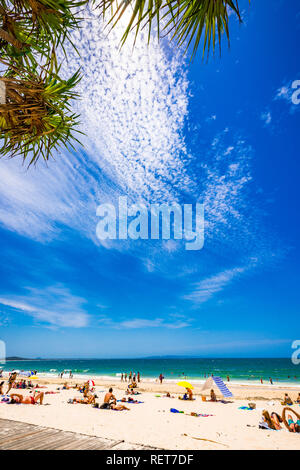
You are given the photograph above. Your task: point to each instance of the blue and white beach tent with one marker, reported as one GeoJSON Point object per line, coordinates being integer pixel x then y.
{"type": "Point", "coordinates": [212, 381]}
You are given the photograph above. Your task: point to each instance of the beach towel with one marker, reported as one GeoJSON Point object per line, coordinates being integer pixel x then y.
{"type": "Point", "coordinates": [245, 408]}
{"type": "Point", "coordinates": [263, 425]}
{"type": "Point", "coordinates": [173, 410]}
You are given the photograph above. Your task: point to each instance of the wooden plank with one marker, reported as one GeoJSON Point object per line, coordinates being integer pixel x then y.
{"type": "Point", "coordinates": [29, 441]}
{"type": "Point", "coordinates": [79, 444]}
{"type": "Point", "coordinates": [88, 443]}
{"type": "Point", "coordinates": [16, 437]}
{"type": "Point", "coordinates": [53, 441]}
{"type": "Point", "coordinates": [84, 444]}
{"type": "Point", "coordinates": [58, 443]}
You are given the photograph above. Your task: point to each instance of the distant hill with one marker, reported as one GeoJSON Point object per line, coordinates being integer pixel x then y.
{"type": "Point", "coordinates": [16, 358]}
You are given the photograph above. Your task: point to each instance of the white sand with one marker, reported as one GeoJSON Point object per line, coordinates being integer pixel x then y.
{"type": "Point", "coordinates": [152, 423]}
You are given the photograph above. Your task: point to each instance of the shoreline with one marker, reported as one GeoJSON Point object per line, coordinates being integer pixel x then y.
{"type": "Point", "coordinates": [154, 381]}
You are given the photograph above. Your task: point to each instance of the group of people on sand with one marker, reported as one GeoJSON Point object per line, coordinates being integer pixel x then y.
{"type": "Point", "coordinates": [274, 421]}
{"type": "Point", "coordinates": [109, 402]}
{"type": "Point", "coordinates": [287, 401]}
{"type": "Point", "coordinates": [32, 399]}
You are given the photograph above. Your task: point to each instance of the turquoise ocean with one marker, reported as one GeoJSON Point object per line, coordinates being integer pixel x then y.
{"type": "Point", "coordinates": [195, 369]}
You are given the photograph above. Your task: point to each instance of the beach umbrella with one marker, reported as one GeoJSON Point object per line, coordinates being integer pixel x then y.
{"type": "Point", "coordinates": [91, 383]}
{"type": "Point", "coordinates": [185, 384]}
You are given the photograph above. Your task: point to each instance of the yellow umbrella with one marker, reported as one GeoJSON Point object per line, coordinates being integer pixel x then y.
{"type": "Point", "coordinates": [185, 384]}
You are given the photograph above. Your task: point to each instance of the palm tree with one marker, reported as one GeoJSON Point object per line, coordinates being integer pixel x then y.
{"type": "Point", "coordinates": [35, 114]}
{"type": "Point", "coordinates": [36, 117]}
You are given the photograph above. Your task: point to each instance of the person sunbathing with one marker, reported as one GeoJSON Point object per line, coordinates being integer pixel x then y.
{"type": "Point", "coordinates": [213, 395]}
{"type": "Point", "coordinates": [119, 407]}
{"type": "Point", "coordinates": [86, 389]}
{"type": "Point", "coordinates": [11, 381]}
{"type": "Point", "coordinates": [90, 400]}
{"type": "Point", "coordinates": [293, 427]}
{"type": "Point", "coordinates": [298, 399]}
{"type": "Point", "coordinates": [266, 421]}
{"type": "Point", "coordinates": [168, 395]}
{"type": "Point", "coordinates": [276, 420]}
{"type": "Point", "coordinates": [29, 400]}
{"type": "Point", "coordinates": [188, 395]}
{"type": "Point", "coordinates": [287, 400]}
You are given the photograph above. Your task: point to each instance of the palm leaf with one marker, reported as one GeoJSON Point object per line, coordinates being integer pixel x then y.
{"type": "Point", "coordinates": [186, 21]}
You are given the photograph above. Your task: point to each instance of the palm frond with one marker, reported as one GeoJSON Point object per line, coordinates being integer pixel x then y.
{"type": "Point", "coordinates": [36, 118]}
{"type": "Point", "coordinates": [186, 21]}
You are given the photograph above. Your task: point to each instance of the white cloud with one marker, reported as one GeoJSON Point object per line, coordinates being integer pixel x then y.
{"type": "Point", "coordinates": [266, 117]}
{"type": "Point", "coordinates": [284, 92]}
{"type": "Point", "coordinates": [54, 306]}
{"type": "Point", "coordinates": [204, 290]}
{"type": "Point", "coordinates": [140, 323]}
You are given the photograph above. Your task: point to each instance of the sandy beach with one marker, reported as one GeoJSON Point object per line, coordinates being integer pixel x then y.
{"type": "Point", "coordinates": [151, 422]}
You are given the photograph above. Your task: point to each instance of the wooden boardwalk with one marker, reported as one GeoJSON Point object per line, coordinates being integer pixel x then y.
{"type": "Point", "coordinates": [15, 435]}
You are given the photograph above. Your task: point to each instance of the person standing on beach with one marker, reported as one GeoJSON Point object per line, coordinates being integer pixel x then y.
{"type": "Point", "coordinates": [129, 378]}
{"type": "Point", "coordinates": [271, 381]}
{"type": "Point", "coordinates": [122, 377]}
{"type": "Point", "coordinates": [125, 376]}
{"type": "Point", "coordinates": [228, 378]}
{"type": "Point", "coordinates": [161, 377]}
{"type": "Point", "coordinates": [138, 377]}
{"type": "Point", "coordinates": [261, 381]}
{"type": "Point", "coordinates": [134, 377]}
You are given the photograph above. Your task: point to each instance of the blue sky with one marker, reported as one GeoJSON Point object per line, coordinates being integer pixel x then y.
{"type": "Point", "coordinates": [158, 129]}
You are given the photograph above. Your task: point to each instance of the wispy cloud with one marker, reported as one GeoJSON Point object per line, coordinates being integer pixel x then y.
{"type": "Point", "coordinates": [54, 306]}
{"type": "Point", "coordinates": [204, 290]}
{"type": "Point", "coordinates": [140, 323]}
{"type": "Point", "coordinates": [266, 117]}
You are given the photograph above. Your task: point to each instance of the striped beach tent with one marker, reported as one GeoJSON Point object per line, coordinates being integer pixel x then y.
{"type": "Point", "coordinates": [212, 381]}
